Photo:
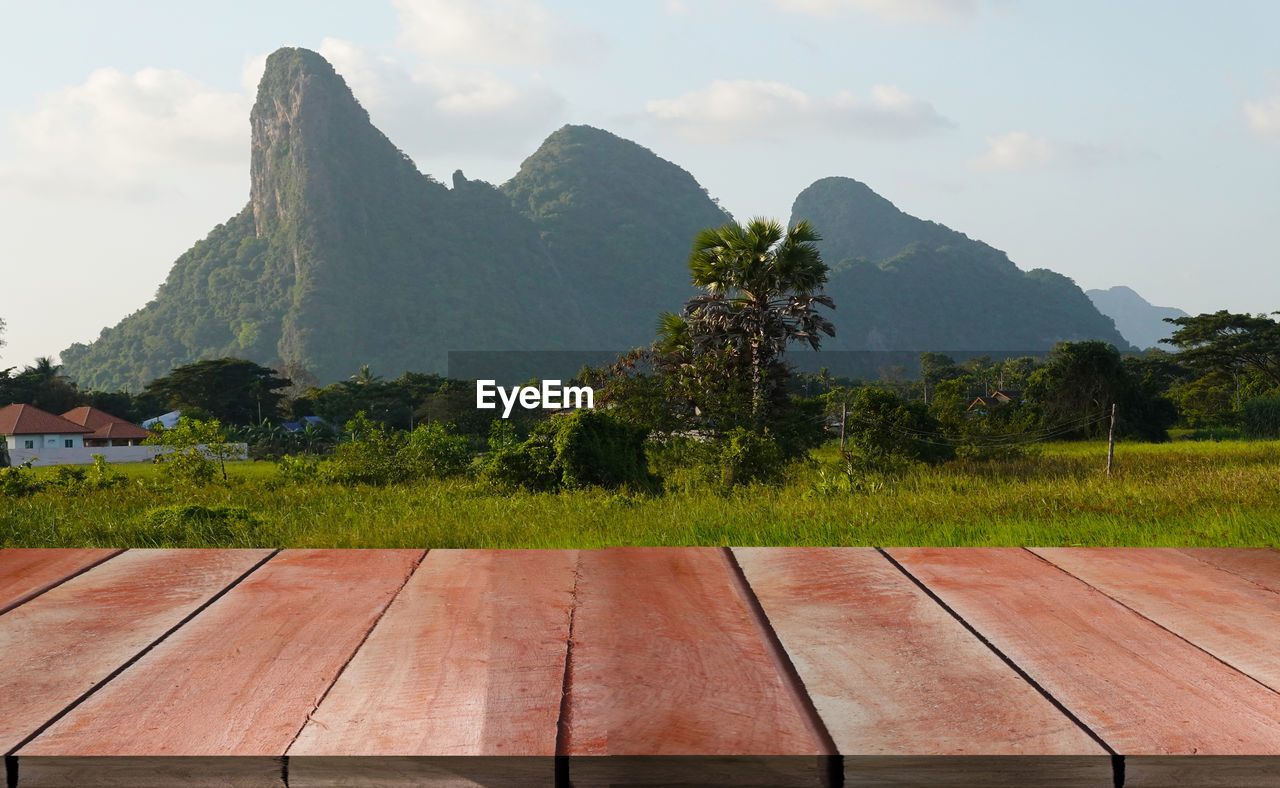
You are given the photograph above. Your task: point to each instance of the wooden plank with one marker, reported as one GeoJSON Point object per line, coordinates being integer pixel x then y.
{"type": "Point", "coordinates": [1142, 689]}
{"type": "Point", "coordinates": [1232, 618]}
{"type": "Point", "coordinates": [469, 660]}
{"type": "Point", "coordinates": [143, 772]}
{"type": "Point", "coordinates": [1260, 565]}
{"type": "Point", "coordinates": [25, 573]}
{"type": "Point", "coordinates": [666, 660]}
{"type": "Point", "coordinates": [1203, 771]}
{"type": "Point", "coordinates": [461, 771]}
{"type": "Point", "coordinates": [893, 674]}
{"type": "Point", "coordinates": [58, 646]}
{"type": "Point", "coordinates": [241, 678]}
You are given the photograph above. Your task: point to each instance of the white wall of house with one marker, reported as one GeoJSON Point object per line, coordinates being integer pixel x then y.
{"type": "Point", "coordinates": [52, 441]}
{"type": "Point", "coordinates": [83, 455]}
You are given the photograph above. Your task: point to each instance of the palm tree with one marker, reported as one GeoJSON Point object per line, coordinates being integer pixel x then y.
{"type": "Point", "coordinates": [763, 286]}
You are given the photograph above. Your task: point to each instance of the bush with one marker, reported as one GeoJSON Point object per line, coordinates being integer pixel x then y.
{"type": "Point", "coordinates": [379, 455]}
{"type": "Point", "coordinates": [594, 449]}
{"type": "Point", "coordinates": [298, 469]}
{"type": "Point", "coordinates": [19, 480]}
{"type": "Point", "coordinates": [102, 476]}
{"type": "Point", "coordinates": [745, 457]}
{"type": "Point", "coordinates": [369, 457]}
{"type": "Point", "coordinates": [434, 451]}
{"type": "Point", "coordinates": [193, 525]}
{"type": "Point", "coordinates": [1260, 418]}
{"type": "Point", "coordinates": [585, 448]}
{"type": "Point", "coordinates": [198, 450]}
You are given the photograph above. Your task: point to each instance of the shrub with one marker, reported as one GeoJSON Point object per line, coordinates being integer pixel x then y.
{"type": "Point", "coordinates": [298, 469]}
{"type": "Point", "coordinates": [369, 457]}
{"type": "Point", "coordinates": [434, 451]}
{"type": "Point", "coordinates": [19, 480]}
{"type": "Point", "coordinates": [745, 457]}
{"type": "Point", "coordinates": [1260, 418]}
{"type": "Point", "coordinates": [585, 448]}
{"type": "Point", "coordinates": [594, 449]}
{"type": "Point", "coordinates": [101, 475]}
{"type": "Point", "coordinates": [198, 450]}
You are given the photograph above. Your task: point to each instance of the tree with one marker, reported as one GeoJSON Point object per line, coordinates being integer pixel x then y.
{"type": "Point", "coordinates": [1228, 342]}
{"type": "Point", "coordinates": [762, 292]}
{"type": "Point", "coordinates": [232, 390]}
{"type": "Point", "coordinates": [197, 450]}
{"type": "Point", "coordinates": [1080, 382]}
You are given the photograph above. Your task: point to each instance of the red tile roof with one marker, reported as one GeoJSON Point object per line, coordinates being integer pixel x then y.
{"type": "Point", "coordinates": [104, 425]}
{"type": "Point", "coordinates": [30, 420]}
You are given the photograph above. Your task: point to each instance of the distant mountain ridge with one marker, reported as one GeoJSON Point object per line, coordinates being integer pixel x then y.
{"type": "Point", "coordinates": [1141, 322]}
{"type": "Point", "coordinates": [902, 283]}
{"type": "Point", "coordinates": [347, 255]}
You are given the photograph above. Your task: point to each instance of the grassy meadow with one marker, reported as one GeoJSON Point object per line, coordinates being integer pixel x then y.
{"type": "Point", "coordinates": [1174, 494]}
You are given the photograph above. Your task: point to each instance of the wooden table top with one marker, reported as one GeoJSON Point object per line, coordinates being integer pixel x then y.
{"type": "Point", "coordinates": [640, 666]}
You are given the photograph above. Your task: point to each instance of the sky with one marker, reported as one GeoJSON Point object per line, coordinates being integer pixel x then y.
{"type": "Point", "coordinates": [1132, 143]}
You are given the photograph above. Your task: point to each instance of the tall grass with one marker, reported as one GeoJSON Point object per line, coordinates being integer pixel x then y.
{"type": "Point", "coordinates": [1182, 494]}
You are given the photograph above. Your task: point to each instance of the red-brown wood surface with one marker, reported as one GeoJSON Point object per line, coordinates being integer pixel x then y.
{"type": "Point", "coordinates": [1142, 689]}
{"type": "Point", "coordinates": [58, 646]}
{"type": "Point", "coordinates": [666, 660]}
{"type": "Point", "coordinates": [241, 678]}
{"type": "Point", "coordinates": [1232, 618]}
{"type": "Point", "coordinates": [1260, 565]}
{"type": "Point", "coordinates": [469, 660]}
{"type": "Point", "coordinates": [891, 672]}
{"type": "Point", "coordinates": [28, 572]}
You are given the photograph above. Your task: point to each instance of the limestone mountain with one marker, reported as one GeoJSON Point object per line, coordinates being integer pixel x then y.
{"type": "Point", "coordinates": [347, 255]}
{"type": "Point", "coordinates": [902, 283]}
{"type": "Point", "coordinates": [1141, 322]}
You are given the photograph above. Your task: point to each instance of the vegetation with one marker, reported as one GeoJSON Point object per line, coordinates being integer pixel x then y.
{"type": "Point", "coordinates": [581, 248]}
{"type": "Point", "coordinates": [1174, 494]}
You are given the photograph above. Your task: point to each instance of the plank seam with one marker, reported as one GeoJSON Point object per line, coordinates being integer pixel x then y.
{"type": "Point", "coordinates": [1117, 760]}
{"type": "Point", "coordinates": [564, 719]}
{"type": "Point", "coordinates": [833, 773]}
{"type": "Point", "coordinates": [30, 595]}
{"type": "Point", "coordinates": [1160, 626]}
{"type": "Point", "coordinates": [284, 756]}
{"type": "Point", "coordinates": [10, 757]}
{"type": "Point", "coordinates": [1190, 553]}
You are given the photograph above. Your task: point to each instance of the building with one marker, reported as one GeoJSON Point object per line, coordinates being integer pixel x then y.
{"type": "Point", "coordinates": [108, 430]}
{"type": "Point", "coordinates": [998, 397]}
{"type": "Point", "coordinates": [28, 427]}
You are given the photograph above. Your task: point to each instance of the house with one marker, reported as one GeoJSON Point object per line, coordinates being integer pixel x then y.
{"type": "Point", "coordinates": [28, 427]}
{"type": "Point", "coordinates": [998, 397]}
{"type": "Point", "coordinates": [108, 430]}
{"type": "Point", "coordinates": [304, 422]}
{"type": "Point", "coordinates": [167, 420]}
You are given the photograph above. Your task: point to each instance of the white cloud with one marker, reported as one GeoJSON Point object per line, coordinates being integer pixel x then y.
{"type": "Point", "coordinates": [519, 32]}
{"type": "Point", "coordinates": [1016, 151]}
{"type": "Point", "coordinates": [946, 12]}
{"type": "Point", "coordinates": [734, 110]}
{"type": "Point", "coordinates": [1263, 117]}
{"type": "Point", "coordinates": [443, 108]}
{"type": "Point", "coordinates": [1019, 151]}
{"type": "Point", "coordinates": [118, 134]}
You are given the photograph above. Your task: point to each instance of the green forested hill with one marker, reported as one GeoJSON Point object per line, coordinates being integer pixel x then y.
{"type": "Point", "coordinates": [347, 255]}
{"type": "Point", "coordinates": [619, 222]}
{"type": "Point", "coordinates": [902, 283]}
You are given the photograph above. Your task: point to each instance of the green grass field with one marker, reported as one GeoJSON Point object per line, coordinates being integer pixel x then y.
{"type": "Point", "coordinates": [1178, 494]}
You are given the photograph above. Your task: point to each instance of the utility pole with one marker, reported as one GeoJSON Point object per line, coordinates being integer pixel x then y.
{"type": "Point", "coordinates": [844, 414]}
{"type": "Point", "coordinates": [1111, 440]}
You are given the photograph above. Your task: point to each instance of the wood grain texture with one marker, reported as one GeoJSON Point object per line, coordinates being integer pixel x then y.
{"type": "Point", "coordinates": [1232, 618]}
{"type": "Point", "coordinates": [1142, 689]}
{"type": "Point", "coordinates": [59, 645]}
{"type": "Point", "coordinates": [979, 771]}
{"type": "Point", "coordinates": [1202, 771]}
{"type": "Point", "coordinates": [1259, 565]}
{"type": "Point", "coordinates": [241, 678]}
{"type": "Point", "coordinates": [144, 772]}
{"type": "Point", "coordinates": [892, 673]}
{"type": "Point", "coordinates": [414, 772]}
{"type": "Point", "coordinates": [469, 660]}
{"type": "Point", "coordinates": [26, 573]}
{"type": "Point", "coordinates": [666, 660]}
